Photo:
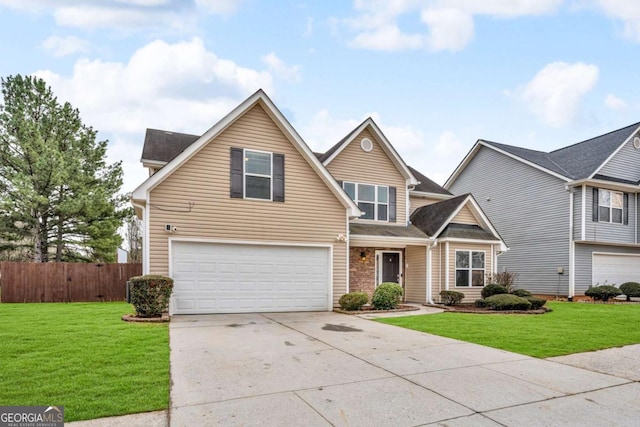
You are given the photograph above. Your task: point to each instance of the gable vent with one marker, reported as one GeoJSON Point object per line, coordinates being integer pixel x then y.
{"type": "Point", "coordinates": [366, 144]}
{"type": "Point", "coordinates": [636, 142]}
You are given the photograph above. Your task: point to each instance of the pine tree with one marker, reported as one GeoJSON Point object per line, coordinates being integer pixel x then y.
{"type": "Point", "coordinates": [58, 194]}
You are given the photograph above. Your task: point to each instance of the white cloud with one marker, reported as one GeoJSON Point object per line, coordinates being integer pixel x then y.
{"type": "Point", "coordinates": [627, 11]}
{"type": "Point", "coordinates": [448, 145]}
{"type": "Point", "coordinates": [182, 87]}
{"type": "Point", "coordinates": [449, 23]}
{"type": "Point", "coordinates": [614, 103]}
{"type": "Point", "coordinates": [323, 131]}
{"type": "Point", "coordinates": [387, 37]}
{"type": "Point", "coordinates": [219, 7]}
{"type": "Point", "coordinates": [555, 92]}
{"type": "Point", "coordinates": [65, 46]}
{"type": "Point", "coordinates": [281, 69]}
{"type": "Point", "coordinates": [449, 29]}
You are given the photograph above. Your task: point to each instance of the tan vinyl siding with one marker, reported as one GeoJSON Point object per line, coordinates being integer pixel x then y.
{"type": "Point", "coordinates": [418, 202]}
{"type": "Point", "coordinates": [355, 165]}
{"type": "Point", "coordinates": [470, 293]}
{"type": "Point", "coordinates": [195, 199]}
{"type": "Point", "coordinates": [415, 274]}
{"type": "Point", "coordinates": [465, 216]}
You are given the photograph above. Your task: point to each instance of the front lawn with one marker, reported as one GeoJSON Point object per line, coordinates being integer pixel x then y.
{"type": "Point", "coordinates": [569, 328]}
{"type": "Point", "coordinates": [82, 356]}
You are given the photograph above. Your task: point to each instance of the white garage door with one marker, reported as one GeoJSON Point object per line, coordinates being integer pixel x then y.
{"type": "Point", "coordinates": [615, 269]}
{"type": "Point", "coordinates": [234, 278]}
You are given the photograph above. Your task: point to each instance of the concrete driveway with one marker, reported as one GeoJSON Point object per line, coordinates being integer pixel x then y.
{"type": "Point", "coordinates": [320, 369]}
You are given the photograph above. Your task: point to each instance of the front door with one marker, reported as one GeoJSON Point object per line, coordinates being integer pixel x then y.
{"type": "Point", "coordinates": [390, 267]}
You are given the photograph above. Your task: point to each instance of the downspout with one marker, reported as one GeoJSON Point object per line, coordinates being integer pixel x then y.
{"type": "Point", "coordinates": [430, 271]}
{"type": "Point", "coordinates": [572, 278]}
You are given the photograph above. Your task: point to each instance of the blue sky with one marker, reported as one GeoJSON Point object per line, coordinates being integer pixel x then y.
{"type": "Point", "coordinates": [436, 75]}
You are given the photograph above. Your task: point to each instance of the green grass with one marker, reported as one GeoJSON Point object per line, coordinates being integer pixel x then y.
{"type": "Point", "coordinates": [82, 356]}
{"type": "Point", "coordinates": [569, 328]}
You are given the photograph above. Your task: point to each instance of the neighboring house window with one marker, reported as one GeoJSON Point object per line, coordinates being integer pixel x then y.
{"type": "Point", "coordinates": [469, 268]}
{"type": "Point", "coordinates": [257, 175]}
{"type": "Point", "coordinates": [374, 200]}
{"type": "Point", "coordinates": [610, 206]}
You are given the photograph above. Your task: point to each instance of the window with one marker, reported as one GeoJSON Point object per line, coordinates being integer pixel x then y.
{"type": "Point", "coordinates": [373, 200]}
{"type": "Point", "coordinates": [257, 175]}
{"type": "Point", "coordinates": [469, 268]}
{"type": "Point", "coordinates": [610, 206]}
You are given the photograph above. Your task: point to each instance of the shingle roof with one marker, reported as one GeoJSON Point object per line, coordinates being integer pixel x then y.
{"type": "Point", "coordinates": [164, 146]}
{"type": "Point", "coordinates": [466, 231]}
{"type": "Point", "coordinates": [577, 161]}
{"type": "Point", "coordinates": [431, 218]}
{"type": "Point", "coordinates": [386, 230]}
{"type": "Point", "coordinates": [427, 185]}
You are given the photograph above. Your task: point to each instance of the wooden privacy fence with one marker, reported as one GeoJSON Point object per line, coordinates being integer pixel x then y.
{"type": "Point", "coordinates": [64, 281]}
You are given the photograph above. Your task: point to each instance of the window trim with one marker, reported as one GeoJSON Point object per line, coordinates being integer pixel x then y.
{"type": "Point", "coordinates": [610, 207]}
{"type": "Point", "coordinates": [376, 203]}
{"type": "Point", "coordinates": [245, 174]}
{"type": "Point", "coordinates": [470, 269]}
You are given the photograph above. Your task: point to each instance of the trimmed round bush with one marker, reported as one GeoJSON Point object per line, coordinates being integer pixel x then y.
{"type": "Point", "coordinates": [386, 296]}
{"type": "Point", "coordinates": [150, 294]}
{"type": "Point", "coordinates": [603, 293]}
{"type": "Point", "coordinates": [630, 289]}
{"type": "Point", "coordinates": [522, 293]}
{"type": "Point", "coordinates": [535, 302]}
{"type": "Point", "coordinates": [353, 300]}
{"type": "Point", "coordinates": [501, 302]}
{"type": "Point", "coordinates": [451, 297]}
{"type": "Point", "coordinates": [493, 289]}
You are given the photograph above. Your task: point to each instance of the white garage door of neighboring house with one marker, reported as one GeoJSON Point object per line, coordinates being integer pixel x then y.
{"type": "Point", "coordinates": [615, 269]}
{"type": "Point", "coordinates": [243, 278]}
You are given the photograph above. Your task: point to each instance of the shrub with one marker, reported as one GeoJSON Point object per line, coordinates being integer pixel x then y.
{"type": "Point", "coordinates": [386, 296]}
{"type": "Point", "coordinates": [451, 297]}
{"type": "Point", "coordinates": [630, 289]}
{"type": "Point", "coordinates": [493, 289]}
{"type": "Point", "coordinates": [506, 302]}
{"type": "Point", "coordinates": [480, 303]}
{"type": "Point", "coordinates": [536, 302]}
{"type": "Point", "coordinates": [506, 279]}
{"type": "Point", "coordinates": [603, 292]}
{"type": "Point", "coordinates": [521, 293]}
{"type": "Point", "coordinates": [353, 300]}
{"type": "Point", "coordinates": [150, 294]}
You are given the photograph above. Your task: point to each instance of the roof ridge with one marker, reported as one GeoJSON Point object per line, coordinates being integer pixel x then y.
{"type": "Point", "coordinates": [596, 137]}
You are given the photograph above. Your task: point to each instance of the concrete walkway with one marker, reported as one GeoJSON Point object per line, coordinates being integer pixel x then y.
{"type": "Point", "coordinates": [332, 369]}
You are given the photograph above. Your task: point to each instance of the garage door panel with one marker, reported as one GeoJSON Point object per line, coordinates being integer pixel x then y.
{"type": "Point", "coordinates": [615, 269]}
{"type": "Point", "coordinates": [228, 278]}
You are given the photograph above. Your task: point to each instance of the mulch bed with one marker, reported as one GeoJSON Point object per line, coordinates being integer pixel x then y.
{"type": "Point", "coordinates": [471, 308]}
{"type": "Point", "coordinates": [368, 309]}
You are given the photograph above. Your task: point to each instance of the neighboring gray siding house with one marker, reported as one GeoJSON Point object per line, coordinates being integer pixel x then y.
{"type": "Point", "coordinates": [570, 216]}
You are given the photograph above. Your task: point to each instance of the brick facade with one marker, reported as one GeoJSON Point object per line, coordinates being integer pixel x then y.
{"type": "Point", "coordinates": [362, 273]}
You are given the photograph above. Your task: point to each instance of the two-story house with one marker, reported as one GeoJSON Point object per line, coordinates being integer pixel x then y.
{"type": "Point", "coordinates": [247, 218]}
{"type": "Point", "coordinates": [570, 216]}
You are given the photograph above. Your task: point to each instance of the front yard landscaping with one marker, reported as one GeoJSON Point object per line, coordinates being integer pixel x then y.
{"type": "Point", "coordinates": [82, 356]}
{"type": "Point", "coordinates": [569, 328]}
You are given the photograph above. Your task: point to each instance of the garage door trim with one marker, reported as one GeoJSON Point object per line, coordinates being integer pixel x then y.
{"type": "Point", "coordinates": [172, 240]}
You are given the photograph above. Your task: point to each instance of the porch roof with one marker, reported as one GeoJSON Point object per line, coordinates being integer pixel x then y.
{"type": "Point", "coordinates": [384, 230]}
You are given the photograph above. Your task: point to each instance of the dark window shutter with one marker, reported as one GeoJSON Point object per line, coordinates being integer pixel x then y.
{"type": "Point", "coordinates": [595, 205]}
{"type": "Point", "coordinates": [237, 163]}
{"type": "Point", "coordinates": [392, 204]}
{"type": "Point", "coordinates": [340, 182]}
{"type": "Point", "coordinates": [278, 177]}
{"type": "Point", "coordinates": [625, 209]}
